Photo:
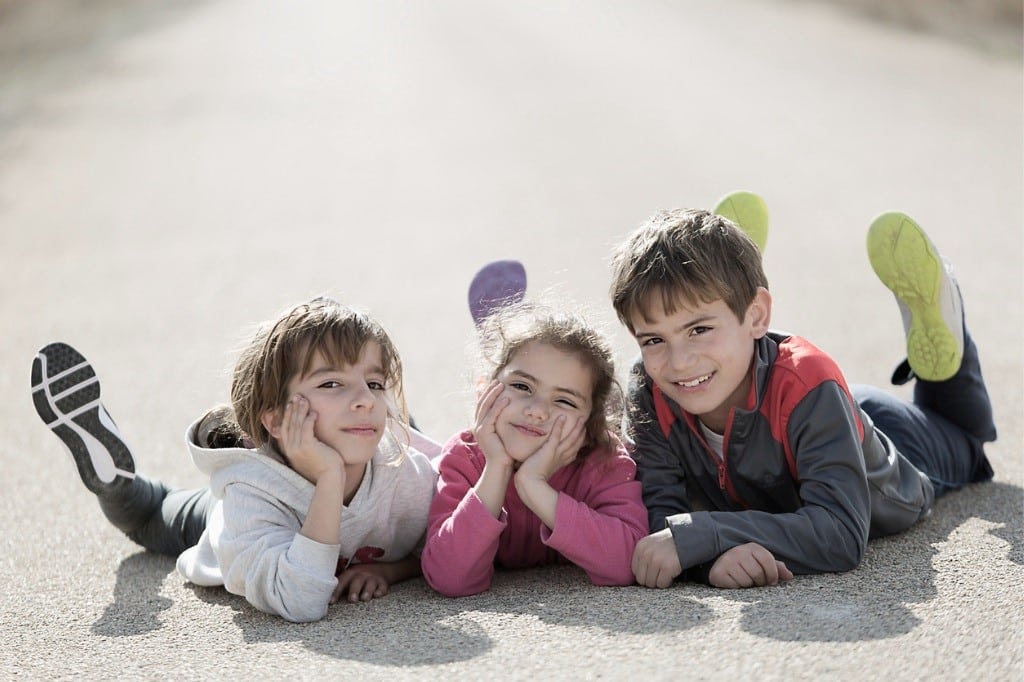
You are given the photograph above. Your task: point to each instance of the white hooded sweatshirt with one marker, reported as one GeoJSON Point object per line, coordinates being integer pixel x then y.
{"type": "Point", "coordinates": [252, 545]}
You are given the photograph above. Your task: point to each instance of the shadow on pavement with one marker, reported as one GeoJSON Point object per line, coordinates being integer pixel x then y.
{"type": "Point", "coordinates": [137, 602]}
{"type": "Point", "coordinates": [872, 602]}
{"type": "Point", "coordinates": [415, 626]}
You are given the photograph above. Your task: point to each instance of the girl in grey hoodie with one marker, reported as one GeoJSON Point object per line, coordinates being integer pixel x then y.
{"type": "Point", "coordinates": [319, 489]}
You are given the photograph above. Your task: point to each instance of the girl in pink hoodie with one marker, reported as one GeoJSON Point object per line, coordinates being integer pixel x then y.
{"type": "Point", "coordinates": [542, 476]}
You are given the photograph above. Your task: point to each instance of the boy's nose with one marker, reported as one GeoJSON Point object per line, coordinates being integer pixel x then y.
{"type": "Point", "coordinates": [681, 357]}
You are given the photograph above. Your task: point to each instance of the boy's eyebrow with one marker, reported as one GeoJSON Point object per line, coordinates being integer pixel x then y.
{"type": "Point", "coordinates": [530, 377]}
{"type": "Point", "coordinates": [700, 319]}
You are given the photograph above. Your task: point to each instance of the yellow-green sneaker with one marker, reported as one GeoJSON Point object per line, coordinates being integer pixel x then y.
{"type": "Point", "coordinates": [749, 212]}
{"type": "Point", "coordinates": [929, 299]}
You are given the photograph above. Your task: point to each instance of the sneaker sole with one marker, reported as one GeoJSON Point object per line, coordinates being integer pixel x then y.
{"type": "Point", "coordinates": [908, 264]}
{"type": "Point", "coordinates": [749, 211]}
{"type": "Point", "coordinates": [498, 283]}
{"type": "Point", "coordinates": [66, 394]}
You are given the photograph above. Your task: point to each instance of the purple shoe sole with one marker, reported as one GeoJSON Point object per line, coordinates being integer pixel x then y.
{"type": "Point", "coordinates": [498, 283]}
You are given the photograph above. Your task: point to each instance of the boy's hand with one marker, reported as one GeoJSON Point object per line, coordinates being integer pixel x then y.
{"type": "Point", "coordinates": [748, 565]}
{"type": "Point", "coordinates": [361, 582]}
{"type": "Point", "coordinates": [488, 407]}
{"type": "Point", "coordinates": [558, 449]}
{"type": "Point", "coordinates": [308, 455]}
{"type": "Point", "coordinates": [655, 560]}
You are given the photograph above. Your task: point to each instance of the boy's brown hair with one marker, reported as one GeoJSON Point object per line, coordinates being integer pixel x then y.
{"type": "Point", "coordinates": [511, 327]}
{"type": "Point", "coordinates": [685, 256]}
{"type": "Point", "coordinates": [285, 348]}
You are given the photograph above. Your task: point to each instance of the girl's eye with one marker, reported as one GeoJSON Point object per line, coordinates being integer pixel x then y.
{"type": "Point", "coordinates": [519, 386]}
{"type": "Point", "coordinates": [566, 402]}
{"type": "Point", "coordinates": [329, 384]}
{"type": "Point", "coordinates": [376, 385]}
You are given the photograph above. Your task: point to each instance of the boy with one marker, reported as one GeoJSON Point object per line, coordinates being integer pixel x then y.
{"type": "Point", "coordinates": [757, 460]}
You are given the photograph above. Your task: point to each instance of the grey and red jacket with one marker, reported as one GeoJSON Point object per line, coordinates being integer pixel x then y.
{"type": "Point", "coordinates": [804, 472]}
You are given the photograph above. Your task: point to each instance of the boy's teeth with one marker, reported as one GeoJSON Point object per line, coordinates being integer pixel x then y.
{"type": "Point", "coordinates": [695, 382]}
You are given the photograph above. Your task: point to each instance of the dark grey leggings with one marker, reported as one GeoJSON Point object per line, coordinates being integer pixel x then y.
{"type": "Point", "coordinates": [159, 518]}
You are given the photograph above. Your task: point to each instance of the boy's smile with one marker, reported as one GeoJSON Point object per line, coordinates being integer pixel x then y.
{"type": "Point", "coordinates": [699, 356]}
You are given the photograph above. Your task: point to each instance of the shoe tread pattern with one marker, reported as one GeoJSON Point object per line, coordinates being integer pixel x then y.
{"type": "Point", "coordinates": [907, 263]}
{"type": "Point", "coordinates": [79, 395]}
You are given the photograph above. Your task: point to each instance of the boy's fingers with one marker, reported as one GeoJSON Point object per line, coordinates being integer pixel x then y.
{"type": "Point", "coordinates": [784, 572]}
{"type": "Point", "coordinates": [768, 571]}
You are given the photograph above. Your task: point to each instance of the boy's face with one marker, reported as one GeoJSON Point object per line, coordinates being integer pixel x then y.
{"type": "Point", "coordinates": [541, 383]}
{"type": "Point", "coordinates": [350, 403]}
{"type": "Point", "coordinates": [700, 355]}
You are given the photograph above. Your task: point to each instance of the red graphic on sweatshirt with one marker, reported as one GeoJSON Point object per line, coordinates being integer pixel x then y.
{"type": "Point", "coordinates": [364, 555]}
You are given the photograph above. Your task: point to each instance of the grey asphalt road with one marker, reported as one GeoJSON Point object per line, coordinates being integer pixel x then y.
{"type": "Point", "coordinates": [170, 176]}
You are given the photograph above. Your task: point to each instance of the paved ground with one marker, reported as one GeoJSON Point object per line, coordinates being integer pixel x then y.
{"type": "Point", "coordinates": [169, 177]}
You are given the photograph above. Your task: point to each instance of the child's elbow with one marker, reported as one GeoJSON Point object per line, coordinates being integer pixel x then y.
{"type": "Point", "coordinates": [448, 588]}
{"type": "Point", "coordinates": [293, 613]}
{"type": "Point", "coordinates": [449, 583]}
{"type": "Point", "coordinates": [848, 555]}
{"type": "Point", "coordinates": [618, 573]}
{"type": "Point", "coordinates": [617, 579]}
{"type": "Point", "coordinates": [303, 617]}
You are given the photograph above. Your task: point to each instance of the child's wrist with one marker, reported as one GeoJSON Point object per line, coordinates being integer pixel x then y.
{"type": "Point", "coordinates": [528, 481]}
{"type": "Point", "coordinates": [333, 474]}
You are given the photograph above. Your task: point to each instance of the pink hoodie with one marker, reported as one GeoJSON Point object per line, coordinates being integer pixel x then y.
{"type": "Point", "coordinates": [599, 518]}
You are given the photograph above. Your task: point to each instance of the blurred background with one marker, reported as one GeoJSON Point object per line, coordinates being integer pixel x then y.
{"type": "Point", "coordinates": [173, 173]}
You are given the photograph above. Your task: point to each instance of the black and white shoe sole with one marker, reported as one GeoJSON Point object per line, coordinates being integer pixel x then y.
{"type": "Point", "coordinates": [66, 394]}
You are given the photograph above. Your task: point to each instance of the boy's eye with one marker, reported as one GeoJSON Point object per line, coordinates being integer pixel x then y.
{"type": "Point", "coordinates": [697, 331]}
{"type": "Point", "coordinates": [651, 341]}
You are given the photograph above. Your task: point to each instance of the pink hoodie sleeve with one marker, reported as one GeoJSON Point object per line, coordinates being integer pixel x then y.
{"type": "Point", "coordinates": [462, 536]}
{"type": "Point", "coordinates": [599, 518]}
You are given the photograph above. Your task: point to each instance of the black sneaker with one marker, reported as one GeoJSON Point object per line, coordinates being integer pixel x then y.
{"type": "Point", "coordinates": [66, 394]}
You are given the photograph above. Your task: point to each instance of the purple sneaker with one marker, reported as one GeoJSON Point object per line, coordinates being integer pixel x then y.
{"type": "Point", "coordinates": [498, 283]}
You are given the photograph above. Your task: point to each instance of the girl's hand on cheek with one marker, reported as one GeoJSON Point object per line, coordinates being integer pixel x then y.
{"type": "Point", "coordinates": [559, 449]}
{"type": "Point", "coordinates": [488, 408]}
{"type": "Point", "coordinates": [308, 455]}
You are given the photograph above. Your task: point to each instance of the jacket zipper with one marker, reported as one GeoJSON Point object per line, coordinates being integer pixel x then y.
{"type": "Point", "coordinates": [720, 463]}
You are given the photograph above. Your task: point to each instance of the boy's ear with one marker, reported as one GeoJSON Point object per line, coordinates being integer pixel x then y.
{"type": "Point", "coordinates": [271, 421]}
{"type": "Point", "coordinates": [759, 314]}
